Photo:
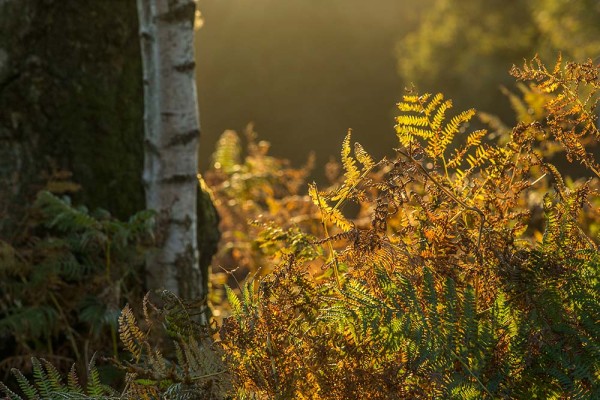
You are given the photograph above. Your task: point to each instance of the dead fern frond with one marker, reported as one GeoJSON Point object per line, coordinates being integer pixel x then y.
{"type": "Point", "coordinates": [131, 335]}
{"type": "Point", "coordinates": [572, 111]}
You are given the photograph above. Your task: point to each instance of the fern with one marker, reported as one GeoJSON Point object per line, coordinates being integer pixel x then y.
{"type": "Point", "coordinates": [465, 275]}
{"type": "Point", "coordinates": [227, 152]}
{"type": "Point", "coordinates": [424, 118]}
{"type": "Point", "coordinates": [74, 271]}
{"type": "Point", "coordinates": [48, 384]}
{"type": "Point", "coordinates": [198, 369]}
{"type": "Point", "coordinates": [571, 112]}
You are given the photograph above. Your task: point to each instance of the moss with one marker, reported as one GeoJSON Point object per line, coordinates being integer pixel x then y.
{"type": "Point", "coordinates": [101, 120]}
{"type": "Point", "coordinates": [77, 97]}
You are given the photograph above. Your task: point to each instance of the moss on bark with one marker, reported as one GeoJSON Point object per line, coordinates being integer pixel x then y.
{"type": "Point", "coordinates": [71, 98]}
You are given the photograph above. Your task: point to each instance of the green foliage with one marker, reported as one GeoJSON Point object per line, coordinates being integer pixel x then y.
{"type": "Point", "coordinates": [65, 280]}
{"type": "Point", "coordinates": [258, 198]}
{"type": "Point", "coordinates": [471, 270]}
{"type": "Point", "coordinates": [49, 384]}
{"type": "Point", "coordinates": [491, 37]}
{"type": "Point", "coordinates": [193, 369]}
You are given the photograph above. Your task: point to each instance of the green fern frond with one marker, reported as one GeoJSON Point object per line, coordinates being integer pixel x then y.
{"type": "Point", "coordinates": [53, 377]}
{"type": "Point", "coordinates": [234, 302]}
{"type": "Point", "coordinates": [94, 386]}
{"type": "Point", "coordinates": [227, 155]}
{"type": "Point", "coordinates": [73, 381]}
{"type": "Point", "coordinates": [248, 297]}
{"type": "Point", "coordinates": [35, 321]}
{"type": "Point", "coordinates": [48, 384]}
{"type": "Point", "coordinates": [30, 391]}
{"type": "Point", "coordinates": [64, 216]}
{"type": "Point", "coordinates": [10, 394]}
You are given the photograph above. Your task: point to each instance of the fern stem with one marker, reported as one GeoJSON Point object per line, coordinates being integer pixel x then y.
{"type": "Point", "coordinates": [107, 259]}
{"type": "Point", "coordinates": [453, 197]}
{"type": "Point", "coordinates": [197, 378]}
{"type": "Point", "coordinates": [515, 166]}
{"type": "Point", "coordinates": [331, 250]}
{"type": "Point", "coordinates": [538, 179]}
{"type": "Point", "coordinates": [343, 199]}
{"type": "Point", "coordinates": [66, 321]}
{"type": "Point", "coordinates": [113, 335]}
{"type": "Point", "coordinates": [445, 167]}
{"type": "Point", "coordinates": [485, 389]}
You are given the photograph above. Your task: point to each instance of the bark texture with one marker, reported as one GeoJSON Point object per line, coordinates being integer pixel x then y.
{"type": "Point", "coordinates": [171, 124]}
{"type": "Point", "coordinates": [70, 99]}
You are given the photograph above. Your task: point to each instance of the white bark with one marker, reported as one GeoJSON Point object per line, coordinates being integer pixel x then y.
{"type": "Point", "coordinates": [171, 139]}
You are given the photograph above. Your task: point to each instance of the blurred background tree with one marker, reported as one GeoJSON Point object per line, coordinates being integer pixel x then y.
{"type": "Point", "coordinates": [465, 49]}
{"type": "Point", "coordinates": [304, 70]}
{"type": "Point", "coordinates": [472, 44]}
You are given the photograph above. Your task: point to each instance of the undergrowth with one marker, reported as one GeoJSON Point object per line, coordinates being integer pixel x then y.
{"type": "Point", "coordinates": [470, 271]}
{"type": "Point", "coordinates": [64, 280]}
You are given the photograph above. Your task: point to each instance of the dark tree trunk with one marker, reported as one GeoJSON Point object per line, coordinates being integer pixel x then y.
{"type": "Point", "coordinates": [71, 98]}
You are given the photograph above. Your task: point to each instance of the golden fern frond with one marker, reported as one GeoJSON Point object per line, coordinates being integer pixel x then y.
{"type": "Point", "coordinates": [352, 174]}
{"type": "Point", "coordinates": [479, 158]}
{"type": "Point", "coordinates": [473, 140]}
{"type": "Point", "coordinates": [415, 99]}
{"type": "Point", "coordinates": [363, 157]}
{"type": "Point", "coordinates": [440, 115]}
{"type": "Point", "coordinates": [130, 334]}
{"type": "Point", "coordinates": [413, 120]}
{"type": "Point", "coordinates": [424, 117]}
{"type": "Point", "coordinates": [329, 213]}
{"type": "Point", "coordinates": [408, 107]}
{"type": "Point", "coordinates": [228, 151]}
{"type": "Point", "coordinates": [452, 128]}
{"type": "Point", "coordinates": [435, 102]}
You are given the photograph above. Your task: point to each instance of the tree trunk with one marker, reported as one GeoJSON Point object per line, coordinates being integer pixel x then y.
{"type": "Point", "coordinates": [172, 130]}
{"type": "Point", "coordinates": [70, 99]}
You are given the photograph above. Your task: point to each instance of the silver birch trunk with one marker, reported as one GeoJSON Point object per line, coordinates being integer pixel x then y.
{"type": "Point", "coordinates": [172, 129]}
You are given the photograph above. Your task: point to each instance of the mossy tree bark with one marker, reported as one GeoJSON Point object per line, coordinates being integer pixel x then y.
{"type": "Point", "coordinates": [71, 98]}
